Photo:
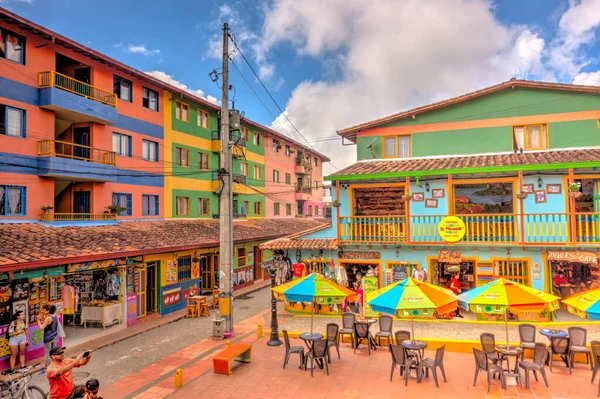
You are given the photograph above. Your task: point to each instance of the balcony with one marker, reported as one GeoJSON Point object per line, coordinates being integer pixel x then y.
{"type": "Point", "coordinates": [303, 193]}
{"type": "Point", "coordinates": [303, 167]}
{"type": "Point", "coordinates": [239, 183]}
{"type": "Point", "coordinates": [237, 150]}
{"type": "Point", "coordinates": [63, 159]}
{"type": "Point", "coordinates": [486, 229]}
{"type": "Point", "coordinates": [76, 100]}
{"type": "Point", "coordinates": [68, 217]}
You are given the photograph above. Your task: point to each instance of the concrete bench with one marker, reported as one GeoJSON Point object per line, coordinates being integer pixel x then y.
{"type": "Point", "coordinates": [239, 352]}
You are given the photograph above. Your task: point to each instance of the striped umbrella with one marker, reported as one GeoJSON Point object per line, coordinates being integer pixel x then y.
{"type": "Point", "coordinates": [314, 289]}
{"type": "Point", "coordinates": [411, 298]}
{"type": "Point", "coordinates": [584, 304]}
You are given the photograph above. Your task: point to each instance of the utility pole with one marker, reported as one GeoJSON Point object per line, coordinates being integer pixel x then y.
{"type": "Point", "coordinates": [226, 203]}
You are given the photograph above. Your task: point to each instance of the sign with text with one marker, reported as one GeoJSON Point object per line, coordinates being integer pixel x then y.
{"type": "Point", "coordinates": [574, 256]}
{"type": "Point", "coordinates": [451, 229]}
{"type": "Point", "coordinates": [360, 255]}
{"type": "Point", "coordinates": [449, 256]}
{"type": "Point", "coordinates": [131, 310]}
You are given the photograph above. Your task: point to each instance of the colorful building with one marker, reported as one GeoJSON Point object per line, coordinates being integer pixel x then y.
{"type": "Point", "coordinates": [516, 163]}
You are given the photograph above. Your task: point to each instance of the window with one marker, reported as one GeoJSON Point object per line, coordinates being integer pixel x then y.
{"type": "Point", "coordinates": [183, 157]}
{"type": "Point", "coordinates": [288, 151]}
{"type": "Point", "coordinates": [244, 207]}
{"type": "Point", "coordinates": [183, 206]}
{"type": "Point", "coordinates": [12, 121]}
{"type": "Point", "coordinates": [203, 206]}
{"type": "Point", "coordinates": [288, 209]}
{"type": "Point", "coordinates": [202, 119]}
{"type": "Point", "coordinates": [316, 210]}
{"type": "Point", "coordinates": [316, 185]}
{"type": "Point", "coordinates": [276, 209]}
{"type": "Point", "coordinates": [257, 172]}
{"type": "Point", "coordinates": [13, 201]}
{"type": "Point", "coordinates": [530, 137]}
{"type": "Point", "coordinates": [203, 161]}
{"type": "Point", "coordinates": [184, 268]}
{"type": "Point", "coordinates": [150, 150]}
{"type": "Point", "coordinates": [149, 99]}
{"type": "Point", "coordinates": [513, 270]}
{"type": "Point", "coordinates": [241, 255]}
{"type": "Point", "coordinates": [244, 169]}
{"type": "Point", "coordinates": [316, 161]}
{"type": "Point", "coordinates": [256, 138]}
{"type": "Point", "coordinates": [396, 146]}
{"type": "Point", "coordinates": [122, 144]}
{"type": "Point", "coordinates": [288, 178]}
{"type": "Point", "coordinates": [124, 201]}
{"type": "Point", "coordinates": [182, 111]}
{"type": "Point", "coordinates": [310, 210]}
{"type": "Point", "coordinates": [276, 146]}
{"type": "Point", "coordinates": [245, 133]}
{"type": "Point", "coordinates": [149, 205]}
{"type": "Point", "coordinates": [276, 176]}
{"type": "Point", "coordinates": [258, 208]}
{"type": "Point", "coordinates": [122, 88]}
{"type": "Point", "coordinates": [12, 46]}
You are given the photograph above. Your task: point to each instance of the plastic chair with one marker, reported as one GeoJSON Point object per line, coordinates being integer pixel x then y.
{"type": "Point", "coordinates": [560, 346]}
{"type": "Point", "coordinates": [386, 322]}
{"type": "Point", "coordinates": [483, 364]}
{"type": "Point", "coordinates": [348, 319]}
{"type": "Point", "coordinates": [540, 353]}
{"type": "Point", "coordinates": [289, 349]}
{"type": "Point", "coordinates": [527, 337]}
{"type": "Point", "coordinates": [488, 345]}
{"type": "Point", "coordinates": [578, 344]}
{"type": "Point", "coordinates": [427, 364]}
{"type": "Point", "coordinates": [596, 358]}
{"type": "Point", "coordinates": [333, 339]}
{"type": "Point", "coordinates": [319, 352]}
{"type": "Point", "coordinates": [403, 335]}
{"type": "Point", "coordinates": [405, 363]}
{"type": "Point", "coordinates": [361, 331]}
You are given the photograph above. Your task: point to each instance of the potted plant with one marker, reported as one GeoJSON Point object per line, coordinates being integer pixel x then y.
{"type": "Point", "coordinates": [47, 208]}
{"type": "Point", "coordinates": [573, 189]}
{"type": "Point", "coordinates": [336, 204]}
{"type": "Point", "coordinates": [406, 197]}
{"type": "Point", "coordinates": [522, 195]}
{"type": "Point", "coordinates": [116, 209]}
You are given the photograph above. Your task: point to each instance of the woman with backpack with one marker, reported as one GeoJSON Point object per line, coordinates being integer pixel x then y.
{"type": "Point", "coordinates": [17, 339]}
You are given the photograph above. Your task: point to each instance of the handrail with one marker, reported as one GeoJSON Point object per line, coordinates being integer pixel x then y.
{"type": "Point", "coordinates": [64, 82]}
{"type": "Point", "coordinates": [77, 216]}
{"type": "Point", "coordinates": [304, 189]}
{"type": "Point", "coordinates": [64, 149]}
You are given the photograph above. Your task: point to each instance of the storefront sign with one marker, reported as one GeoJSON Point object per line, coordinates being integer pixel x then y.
{"type": "Point", "coordinates": [103, 264]}
{"type": "Point", "coordinates": [172, 297]}
{"type": "Point", "coordinates": [360, 255]}
{"type": "Point", "coordinates": [370, 284]}
{"type": "Point", "coordinates": [573, 256]}
{"type": "Point", "coordinates": [131, 310]}
{"type": "Point", "coordinates": [451, 229]}
{"type": "Point", "coordinates": [449, 256]}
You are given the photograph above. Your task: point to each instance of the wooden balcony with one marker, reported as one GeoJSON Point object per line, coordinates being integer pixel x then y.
{"type": "Point", "coordinates": [67, 83]}
{"type": "Point", "coordinates": [76, 216]}
{"type": "Point", "coordinates": [63, 149]}
{"type": "Point", "coordinates": [487, 229]}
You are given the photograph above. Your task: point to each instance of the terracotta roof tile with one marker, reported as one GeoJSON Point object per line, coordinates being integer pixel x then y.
{"type": "Point", "coordinates": [470, 161]}
{"type": "Point", "coordinates": [29, 242]}
{"type": "Point", "coordinates": [302, 243]}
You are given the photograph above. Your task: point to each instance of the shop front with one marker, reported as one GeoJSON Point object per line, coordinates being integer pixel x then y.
{"type": "Point", "coordinates": [247, 268]}
{"type": "Point", "coordinates": [572, 272]}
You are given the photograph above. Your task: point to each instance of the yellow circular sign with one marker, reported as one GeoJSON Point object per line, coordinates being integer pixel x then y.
{"type": "Point", "coordinates": [451, 229]}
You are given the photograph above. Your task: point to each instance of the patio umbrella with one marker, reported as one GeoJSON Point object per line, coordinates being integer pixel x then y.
{"type": "Point", "coordinates": [411, 298]}
{"type": "Point", "coordinates": [502, 295]}
{"type": "Point", "coordinates": [315, 289]}
{"type": "Point", "coordinates": [584, 304]}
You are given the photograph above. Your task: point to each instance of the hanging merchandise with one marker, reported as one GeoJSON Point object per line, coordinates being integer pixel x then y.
{"type": "Point", "coordinates": [5, 302]}
{"type": "Point", "coordinates": [298, 269]}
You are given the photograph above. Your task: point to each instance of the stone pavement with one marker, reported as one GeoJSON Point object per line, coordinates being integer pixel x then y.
{"type": "Point", "coordinates": [363, 376]}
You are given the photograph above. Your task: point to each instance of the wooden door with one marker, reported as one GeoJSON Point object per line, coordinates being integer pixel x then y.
{"type": "Point", "coordinates": [258, 258]}
{"type": "Point", "coordinates": [140, 286]}
{"type": "Point", "coordinates": [207, 273]}
{"type": "Point", "coordinates": [151, 288]}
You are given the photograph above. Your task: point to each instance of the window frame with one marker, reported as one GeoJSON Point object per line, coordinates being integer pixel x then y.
{"type": "Point", "coordinates": [258, 169]}
{"type": "Point", "coordinates": [316, 161]}
{"type": "Point", "coordinates": [275, 173]}
{"type": "Point", "coordinates": [288, 178]}
{"type": "Point", "coordinates": [150, 142]}
{"type": "Point", "coordinates": [244, 169]}
{"type": "Point", "coordinates": [244, 133]}
{"type": "Point", "coordinates": [288, 150]}
{"type": "Point", "coordinates": [259, 204]}
{"type": "Point", "coordinates": [148, 91]}
{"type": "Point", "coordinates": [395, 137]}
{"type": "Point", "coordinates": [256, 139]}
{"type": "Point", "coordinates": [149, 197]}
{"type": "Point", "coordinates": [22, 200]}
{"type": "Point", "coordinates": [23, 43]}
{"type": "Point", "coordinates": [129, 155]}
{"type": "Point", "coordinates": [187, 199]}
{"type": "Point", "coordinates": [201, 157]}
{"type": "Point", "coordinates": [4, 130]}
{"type": "Point", "coordinates": [241, 254]}
{"type": "Point", "coordinates": [316, 184]}
{"type": "Point", "coordinates": [179, 151]}
{"type": "Point", "coordinates": [276, 145]}
{"type": "Point", "coordinates": [200, 213]}
{"type": "Point", "coordinates": [525, 136]}
{"type": "Point", "coordinates": [276, 210]}
{"type": "Point", "coordinates": [199, 115]}
{"type": "Point", "coordinates": [129, 198]}
{"type": "Point", "coordinates": [184, 271]}
{"type": "Point", "coordinates": [119, 80]}
{"type": "Point", "coordinates": [288, 209]}
{"type": "Point", "coordinates": [179, 107]}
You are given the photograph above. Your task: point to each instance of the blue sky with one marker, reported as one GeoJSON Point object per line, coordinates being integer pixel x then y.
{"type": "Point", "coordinates": [332, 64]}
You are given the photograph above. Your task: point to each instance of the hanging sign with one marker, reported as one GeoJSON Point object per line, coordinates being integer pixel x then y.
{"type": "Point", "coordinates": [449, 256]}
{"type": "Point", "coordinates": [360, 255]}
{"type": "Point", "coordinates": [103, 264]}
{"type": "Point", "coordinates": [574, 256]}
{"type": "Point", "coordinates": [451, 229]}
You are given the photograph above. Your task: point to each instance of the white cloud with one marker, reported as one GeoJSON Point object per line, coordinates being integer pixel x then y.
{"type": "Point", "coordinates": [587, 78]}
{"type": "Point", "coordinates": [391, 56]}
{"type": "Point", "coordinates": [137, 49]}
{"type": "Point", "coordinates": [165, 77]}
{"type": "Point", "coordinates": [17, 1]}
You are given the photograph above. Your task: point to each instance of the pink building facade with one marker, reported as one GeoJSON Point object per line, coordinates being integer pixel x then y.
{"type": "Point", "coordinates": [293, 178]}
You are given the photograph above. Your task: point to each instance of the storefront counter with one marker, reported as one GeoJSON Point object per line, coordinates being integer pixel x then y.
{"type": "Point", "coordinates": [107, 315]}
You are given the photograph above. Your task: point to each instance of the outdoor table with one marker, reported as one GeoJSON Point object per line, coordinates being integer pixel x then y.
{"type": "Point", "coordinates": [309, 339]}
{"type": "Point", "coordinates": [197, 300]}
{"type": "Point", "coordinates": [552, 335]}
{"type": "Point", "coordinates": [413, 345]}
{"type": "Point", "coordinates": [369, 323]}
{"type": "Point", "coordinates": [508, 352]}
{"type": "Point", "coordinates": [107, 315]}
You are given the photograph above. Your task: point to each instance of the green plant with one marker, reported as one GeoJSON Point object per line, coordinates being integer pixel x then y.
{"type": "Point", "coordinates": [46, 208]}
{"type": "Point", "coordinates": [336, 204]}
{"type": "Point", "coordinates": [116, 209]}
{"type": "Point", "coordinates": [573, 187]}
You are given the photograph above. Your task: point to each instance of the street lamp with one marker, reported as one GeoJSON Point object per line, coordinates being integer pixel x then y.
{"type": "Point", "coordinates": [274, 340]}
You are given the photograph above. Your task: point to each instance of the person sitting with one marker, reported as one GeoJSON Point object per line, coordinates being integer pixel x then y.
{"type": "Point", "coordinates": [60, 374]}
{"type": "Point", "coordinates": [560, 279]}
{"type": "Point", "coordinates": [92, 387]}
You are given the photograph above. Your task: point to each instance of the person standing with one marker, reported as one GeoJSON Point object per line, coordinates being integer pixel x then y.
{"type": "Point", "coordinates": [48, 322]}
{"type": "Point", "coordinates": [17, 339]}
{"type": "Point", "coordinates": [455, 287]}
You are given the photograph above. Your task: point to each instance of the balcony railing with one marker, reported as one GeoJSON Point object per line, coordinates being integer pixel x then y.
{"type": "Point", "coordinates": [237, 178]}
{"type": "Point", "coordinates": [63, 149]}
{"type": "Point", "coordinates": [55, 79]}
{"type": "Point", "coordinates": [235, 138]}
{"type": "Point", "coordinates": [550, 228]}
{"type": "Point", "coordinates": [304, 189]}
{"type": "Point", "coordinates": [76, 216]}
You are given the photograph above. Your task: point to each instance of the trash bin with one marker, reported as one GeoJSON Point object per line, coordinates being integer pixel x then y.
{"type": "Point", "coordinates": [218, 324]}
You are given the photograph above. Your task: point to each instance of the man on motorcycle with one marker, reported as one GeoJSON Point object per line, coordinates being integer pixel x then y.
{"type": "Point", "coordinates": [60, 374]}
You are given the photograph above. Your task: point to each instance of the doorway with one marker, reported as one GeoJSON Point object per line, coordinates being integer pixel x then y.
{"type": "Point", "coordinates": [83, 74]}
{"type": "Point", "coordinates": [151, 287]}
{"type": "Point", "coordinates": [81, 201]}
{"type": "Point", "coordinates": [258, 258]}
{"type": "Point", "coordinates": [81, 137]}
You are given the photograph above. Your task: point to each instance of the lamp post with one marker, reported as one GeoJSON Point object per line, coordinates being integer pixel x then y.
{"type": "Point", "coordinates": [274, 340]}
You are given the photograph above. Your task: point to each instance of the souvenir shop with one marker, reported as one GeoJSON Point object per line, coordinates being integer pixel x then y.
{"type": "Point", "coordinates": [447, 264]}
{"type": "Point", "coordinates": [573, 272]}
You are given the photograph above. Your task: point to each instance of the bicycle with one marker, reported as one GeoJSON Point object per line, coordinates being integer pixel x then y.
{"type": "Point", "coordinates": [18, 386]}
